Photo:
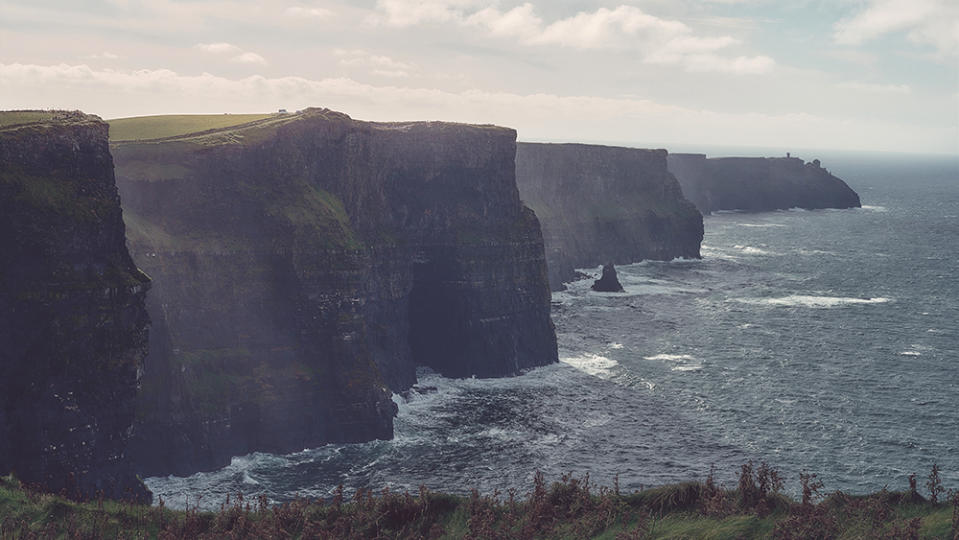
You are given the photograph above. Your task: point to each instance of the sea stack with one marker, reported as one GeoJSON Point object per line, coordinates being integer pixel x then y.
{"type": "Point", "coordinates": [608, 282]}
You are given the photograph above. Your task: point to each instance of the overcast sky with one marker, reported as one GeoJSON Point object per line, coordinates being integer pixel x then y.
{"type": "Point", "coordinates": [824, 74]}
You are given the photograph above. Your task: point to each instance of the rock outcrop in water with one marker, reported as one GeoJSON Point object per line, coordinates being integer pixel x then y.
{"type": "Point", "coordinates": [609, 281]}
{"type": "Point", "coordinates": [759, 184]}
{"type": "Point", "coordinates": [304, 265]}
{"type": "Point", "coordinates": [600, 204]}
{"type": "Point", "coordinates": [73, 326]}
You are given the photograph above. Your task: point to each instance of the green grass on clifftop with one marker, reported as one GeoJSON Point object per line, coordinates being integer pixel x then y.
{"type": "Point", "coordinates": [13, 118]}
{"type": "Point", "coordinates": [166, 126]}
{"type": "Point", "coordinates": [569, 509]}
{"type": "Point", "coordinates": [16, 119]}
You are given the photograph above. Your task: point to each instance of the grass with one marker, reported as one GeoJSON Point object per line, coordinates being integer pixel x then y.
{"type": "Point", "coordinates": [571, 508]}
{"type": "Point", "coordinates": [16, 119]}
{"type": "Point", "coordinates": [166, 126]}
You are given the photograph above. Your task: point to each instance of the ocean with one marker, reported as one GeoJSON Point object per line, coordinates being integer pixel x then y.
{"type": "Point", "coordinates": [821, 341]}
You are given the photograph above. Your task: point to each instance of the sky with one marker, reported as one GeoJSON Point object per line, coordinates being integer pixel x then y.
{"type": "Point", "coordinates": [874, 75]}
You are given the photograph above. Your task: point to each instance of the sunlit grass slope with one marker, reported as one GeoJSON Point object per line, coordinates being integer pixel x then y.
{"type": "Point", "coordinates": [17, 119]}
{"type": "Point", "coordinates": [176, 125]}
{"type": "Point", "coordinates": [13, 118]}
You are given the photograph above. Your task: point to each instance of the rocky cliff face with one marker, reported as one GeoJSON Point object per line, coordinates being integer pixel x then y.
{"type": "Point", "coordinates": [73, 326]}
{"type": "Point", "coordinates": [304, 266]}
{"type": "Point", "coordinates": [603, 204]}
{"type": "Point", "coordinates": [758, 184]}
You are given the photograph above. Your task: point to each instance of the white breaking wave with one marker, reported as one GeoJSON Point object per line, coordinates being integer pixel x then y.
{"type": "Point", "coordinates": [910, 353]}
{"type": "Point", "coordinates": [874, 208]}
{"type": "Point", "coordinates": [671, 357]}
{"type": "Point", "coordinates": [591, 364]}
{"type": "Point", "coordinates": [749, 250]}
{"type": "Point", "coordinates": [798, 300]}
{"type": "Point", "coordinates": [761, 225]}
{"type": "Point", "coordinates": [685, 362]}
{"type": "Point", "coordinates": [690, 367]}
{"type": "Point", "coordinates": [615, 346]}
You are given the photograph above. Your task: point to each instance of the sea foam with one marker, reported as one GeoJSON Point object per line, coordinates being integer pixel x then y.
{"type": "Point", "coordinates": [798, 300]}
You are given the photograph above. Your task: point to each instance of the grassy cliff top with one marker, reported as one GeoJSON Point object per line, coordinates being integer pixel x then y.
{"type": "Point", "coordinates": [212, 129]}
{"type": "Point", "coordinates": [179, 125]}
{"type": "Point", "coordinates": [17, 119]}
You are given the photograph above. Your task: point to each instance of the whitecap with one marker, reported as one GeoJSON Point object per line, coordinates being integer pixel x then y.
{"type": "Point", "coordinates": [798, 300]}
{"type": "Point", "coordinates": [750, 250]}
{"type": "Point", "coordinates": [874, 208]}
{"type": "Point", "coordinates": [591, 364]}
{"type": "Point", "coordinates": [910, 353]}
{"type": "Point", "coordinates": [615, 346]}
{"type": "Point", "coordinates": [690, 367]}
{"type": "Point", "coordinates": [671, 357]}
{"type": "Point", "coordinates": [761, 225]}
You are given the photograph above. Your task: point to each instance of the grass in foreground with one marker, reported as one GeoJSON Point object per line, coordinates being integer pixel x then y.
{"type": "Point", "coordinates": [175, 125]}
{"type": "Point", "coordinates": [569, 509]}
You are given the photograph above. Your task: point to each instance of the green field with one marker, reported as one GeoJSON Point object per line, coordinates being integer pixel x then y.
{"type": "Point", "coordinates": [145, 128]}
{"type": "Point", "coordinates": [18, 118]}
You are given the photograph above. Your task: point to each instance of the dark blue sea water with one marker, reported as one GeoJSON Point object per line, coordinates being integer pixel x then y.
{"type": "Point", "coordinates": [825, 341]}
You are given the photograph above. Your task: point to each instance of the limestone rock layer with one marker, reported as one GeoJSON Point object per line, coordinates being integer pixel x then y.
{"type": "Point", "coordinates": [605, 204]}
{"type": "Point", "coordinates": [759, 184]}
{"type": "Point", "coordinates": [73, 325]}
{"type": "Point", "coordinates": [304, 266]}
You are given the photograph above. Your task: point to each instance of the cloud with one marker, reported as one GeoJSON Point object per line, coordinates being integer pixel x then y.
{"type": "Point", "coordinates": [927, 22]}
{"type": "Point", "coordinates": [218, 48]}
{"type": "Point", "coordinates": [308, 12]}
{"type": "Point", "coordinates": [403, 13]}
{"type": "Point", "coordinates": [374, 63]}
{"type": "Point", "coordinates": [536, 116]}
{"type": "Point", "coordinates": [249, 58]}
{"type": "Point", "coordinates": [238, 55]}
{"type": "Point", "coordinates": [105, 55]}
{"type": "Point", "coordinates": [872, 88]}
{"type": "Point", "coordinates": [624, 28]}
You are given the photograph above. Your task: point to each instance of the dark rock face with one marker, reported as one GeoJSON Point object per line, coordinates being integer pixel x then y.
{"type": "Point", "coordinates": [759, 184]}
{"type": "Point", "coordinates": [73, 326]}
{"type": "Point", "coordinates": [602, 204]}
{"type": "Point", "coordinates": [608, 282]}
{"type": "Point", "coordinates": [303, 269]}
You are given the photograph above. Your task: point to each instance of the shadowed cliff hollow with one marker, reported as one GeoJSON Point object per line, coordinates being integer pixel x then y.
{"type": "Point", "coordinates": [758, 184]}
{"type": "Point", "coordinates": [605, 204]}
{"type": "Point", "coordinates": [305, 264]}
{"type": "Point", "coordinates": [73, 326]}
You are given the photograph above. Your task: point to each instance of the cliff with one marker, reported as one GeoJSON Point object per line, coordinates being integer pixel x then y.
{"type": "Point", "coordinates": [305, 264]}
{"type": "Point", "coordinates": [604, 204]}
{"type": "Point", "coordinates": [758, 184]}
{"type": "Point", "coordinates": [73, 326]}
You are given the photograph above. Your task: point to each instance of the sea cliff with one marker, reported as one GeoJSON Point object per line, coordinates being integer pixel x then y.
{"type": "Point", "coordinates": [604, 204]}
{"type": "Point", "coordinates": [759, 184]}
{"type": "Point", "coordinates": [304, 265]}
{"type": "Point", "coordinates": [73, 326]}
